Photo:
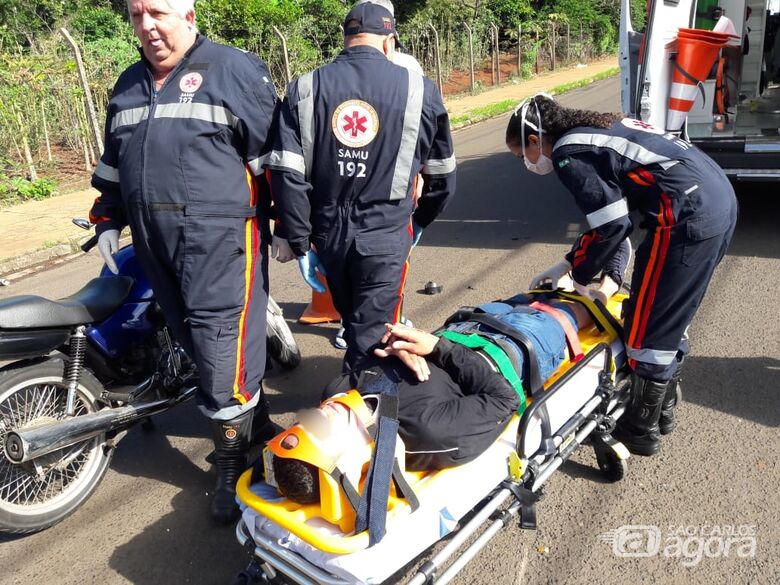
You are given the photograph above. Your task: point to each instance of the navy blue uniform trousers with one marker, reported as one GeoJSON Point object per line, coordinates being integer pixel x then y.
{"type": "Point", "coordinates": [672, 270]}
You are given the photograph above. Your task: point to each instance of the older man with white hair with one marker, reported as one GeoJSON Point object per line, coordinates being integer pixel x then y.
{"type": "Point", "coordinates": [187, 130]}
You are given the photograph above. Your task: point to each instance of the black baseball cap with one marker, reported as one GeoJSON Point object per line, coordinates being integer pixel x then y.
{"type": "Point", "coordinates": [370, 18]}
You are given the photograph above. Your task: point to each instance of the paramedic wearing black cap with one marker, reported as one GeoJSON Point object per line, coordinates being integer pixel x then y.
{"type": "Point", "coordinates": [352, 137]}
{"type": "Point", "coordinates": [185, 140]}
{"type": "Point", "coordinates": [613, 166]}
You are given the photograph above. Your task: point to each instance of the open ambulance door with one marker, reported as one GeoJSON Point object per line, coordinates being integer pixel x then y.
{"type": "Point", "coordinates": [735, 117]}
{"type": "Point", "coordinates": [645, 68]}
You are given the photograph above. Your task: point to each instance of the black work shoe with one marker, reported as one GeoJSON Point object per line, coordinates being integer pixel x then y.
{"type": "Point", "coordinates": [638, 428]}
{"type": "Point", "coordinates": [646, 445]}
{"type": "Point", "coordinates": [231, 444]}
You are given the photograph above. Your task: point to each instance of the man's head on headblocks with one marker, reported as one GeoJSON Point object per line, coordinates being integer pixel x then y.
{"type": "Point", "coordinates": [333, 432]}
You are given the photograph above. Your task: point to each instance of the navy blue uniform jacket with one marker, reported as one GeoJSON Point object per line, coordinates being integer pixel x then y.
{"type": "Point", "coordinates": [609, 170]}
{"type": "Point", "coordinates": [352, 137]}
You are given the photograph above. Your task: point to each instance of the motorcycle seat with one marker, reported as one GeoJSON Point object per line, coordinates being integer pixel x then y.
{"type": "Point", "coordinates": [97, 300]}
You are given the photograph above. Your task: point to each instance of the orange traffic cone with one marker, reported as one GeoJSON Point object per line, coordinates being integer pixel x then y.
{"type": "Point", "coordinates": [320, 309]}
{"type": "Point", "coordinates": [696, 54]}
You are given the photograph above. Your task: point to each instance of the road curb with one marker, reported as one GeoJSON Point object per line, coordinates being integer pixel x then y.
{"type": "Point", "coordinates": [475, 115]}
{"type": "Point", "coordinates": [13, 269]}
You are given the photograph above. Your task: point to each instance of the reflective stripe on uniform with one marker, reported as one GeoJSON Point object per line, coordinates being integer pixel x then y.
{"type": "Point", "coordinates": [443, 166]}
{"type": "Point", "coordinates": [608, 213]}
{"type": "Point", "coordinates": [193, 111]}
{"type": "Point", "coordinates": [659, 357]}
{"type": "Point", "coordinates": [230, 412]}
{"type": "Point", "coordinates": [257, 164]}
{"type": "Point", "coordinates": [251, 248]}
{"type": "Point", "coordinates": [284, 160]}
{"type": "Point", "coordinates": [106, 172]}
{"type": "Point", "coordinates": [306, 119]}
{"type": "Point", "coordinates": [622, 146]}
{"type": "Point", "coordinates": [411, 130]}
{"type": "Point", "coordinates": [129, 117]}
{"type": "Point", "coordinates": [645, 297]}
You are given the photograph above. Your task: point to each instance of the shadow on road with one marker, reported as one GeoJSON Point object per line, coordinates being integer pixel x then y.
{"type": "Point", "coordinates": [500, 205]}
{"type": "Point", "coordinates": [746, 388]}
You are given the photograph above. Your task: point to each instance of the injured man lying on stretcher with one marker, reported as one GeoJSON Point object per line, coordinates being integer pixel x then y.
{"type": "Point", "coordinates": [452, 404]}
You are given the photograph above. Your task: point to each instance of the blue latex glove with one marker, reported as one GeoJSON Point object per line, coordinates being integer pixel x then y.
{"type": "Point", "coordinates": [309, 265]}
{"type": "Point", "coordinates": [417, 232]}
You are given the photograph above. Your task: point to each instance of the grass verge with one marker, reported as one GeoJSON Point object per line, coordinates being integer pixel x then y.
{"type": "Point", "coordinates": [498, 108]}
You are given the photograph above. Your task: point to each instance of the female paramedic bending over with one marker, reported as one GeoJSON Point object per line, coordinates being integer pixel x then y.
{"type": "Point", "coordinates": [613, 166]}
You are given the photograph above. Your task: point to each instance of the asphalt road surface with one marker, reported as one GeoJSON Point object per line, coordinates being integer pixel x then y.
{"type": "Point", "coordinates": [148, 522]}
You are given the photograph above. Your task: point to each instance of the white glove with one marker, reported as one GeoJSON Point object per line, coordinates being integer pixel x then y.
{"type": "Point", "coordinates": [584, 291]}
{"type": "Point", "coordinates": [108, 245]}
{"type": "Point", "coordinates": [281, 250]}
{"type": "Point", "coordinates": [554, 274]}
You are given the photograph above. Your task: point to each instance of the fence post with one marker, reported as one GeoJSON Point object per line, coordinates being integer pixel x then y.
{"type": "Point", "coordinates": [520, 51]}
{"type": "Point", "coordinates": [552, 45]}
{"type": "Point", "coordinates": [93, 123]}
{"type": "Point", "coordinates": [285, 54]}
{"type": "Point", "coordinates": [568, 43]}
{"type": "Point", "coordinates": [471, 56]}
{"type": "Point", "coordinates": [438, 56]}
{"type": "Point", "coordinates": [498, 56]}
{"type": "Point", "coordinates": [46, 131]}
{"type": "Point", "coordinates": [538, 46]}
{"type": "Point", "coordinates": [582, 45]}
{"type": "Point", "coordinates": [496, 60]}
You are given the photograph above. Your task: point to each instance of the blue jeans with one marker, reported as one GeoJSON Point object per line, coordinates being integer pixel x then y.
{"type": "Point", "coordinates": [542, 329]}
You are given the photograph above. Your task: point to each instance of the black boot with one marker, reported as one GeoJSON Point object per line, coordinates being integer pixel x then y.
{"type": "Point", "coordinates": [668, 421]}
{"type": "Point", "coordinates": [263, 428]}
{"type": "Point", "coordinates": [638, 428]}
{"type": "Point", "coordinates": [231, 444]}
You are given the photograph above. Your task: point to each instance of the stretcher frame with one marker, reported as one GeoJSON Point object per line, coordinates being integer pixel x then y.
{"type": "Point", "coordinates": [592, 423]}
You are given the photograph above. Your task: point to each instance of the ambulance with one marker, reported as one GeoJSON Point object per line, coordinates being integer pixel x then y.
{"type": "Point", "coordinates": [731, 107]}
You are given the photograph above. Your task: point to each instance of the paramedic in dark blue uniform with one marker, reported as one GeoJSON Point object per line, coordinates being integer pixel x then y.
{"type": "Point", "coordinates": [352, 137]}
{"type": "Point", "coordinates": [613, 166]}
{"type": "Point", "coordinates": [185, 140]}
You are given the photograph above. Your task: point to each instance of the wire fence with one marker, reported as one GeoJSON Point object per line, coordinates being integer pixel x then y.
{"type": "Point", "coordinates": [45, 119]}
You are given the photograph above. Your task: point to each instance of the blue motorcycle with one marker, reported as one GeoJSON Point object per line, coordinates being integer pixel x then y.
{"type": "Point", "coordinates": [82, 371]}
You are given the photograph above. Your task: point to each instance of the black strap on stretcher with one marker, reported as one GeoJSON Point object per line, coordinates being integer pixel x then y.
{"type": "Point", "coordinates": [534, 378]}
{"type": "Point", "coordinates": [371, 508]}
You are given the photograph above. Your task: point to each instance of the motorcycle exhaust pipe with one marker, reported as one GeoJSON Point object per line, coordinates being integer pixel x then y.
{"type": "Point", "coordinates": [24, 445]}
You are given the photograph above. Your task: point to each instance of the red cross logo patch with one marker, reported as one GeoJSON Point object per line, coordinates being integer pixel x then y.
{"type": "Point", "coordinates": [641, 125]}
{"type": "Point", "coordinates": [355, 123]}
{"type": "Point", "coordinates": [191, 82]}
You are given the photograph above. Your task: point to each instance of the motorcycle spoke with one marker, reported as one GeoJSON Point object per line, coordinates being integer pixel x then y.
{"type": "Point", "coordinates": [44, 403]}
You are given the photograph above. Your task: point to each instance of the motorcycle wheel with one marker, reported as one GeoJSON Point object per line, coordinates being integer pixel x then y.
{"type": "Point", "coordinates": [38, 494]}
{"type": "Point", "coordinates": [281, 343]}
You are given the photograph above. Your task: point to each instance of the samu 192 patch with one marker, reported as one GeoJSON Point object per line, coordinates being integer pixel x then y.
{"type": "Point", "coordinates": [563, 162]}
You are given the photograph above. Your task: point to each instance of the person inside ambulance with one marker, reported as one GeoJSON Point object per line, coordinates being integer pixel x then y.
{"type": "Point", "coordinates": [687, 207]}
{"type": "Point", "coordinates": [187, 130]}
{"type": "Point", "coordinates": [353, 135]}
{"type": "Point", "coordinates": [452, 403]}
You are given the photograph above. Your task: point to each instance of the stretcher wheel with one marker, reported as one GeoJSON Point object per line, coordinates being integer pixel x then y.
{"type": "Point", "coordinates": [257, 574]}
{"type": "Point", "coordinates": [613, 468]}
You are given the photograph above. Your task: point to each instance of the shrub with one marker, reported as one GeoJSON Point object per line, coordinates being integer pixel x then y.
{"type": "Point", "coordinates": [18, 189]}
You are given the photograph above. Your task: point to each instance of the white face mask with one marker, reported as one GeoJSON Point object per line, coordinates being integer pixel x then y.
{"type": "Point", "coordinates": [544, 165]}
